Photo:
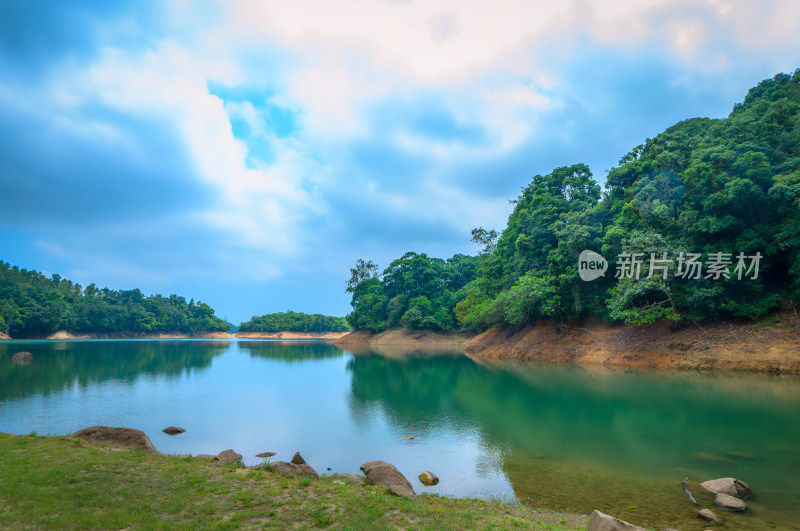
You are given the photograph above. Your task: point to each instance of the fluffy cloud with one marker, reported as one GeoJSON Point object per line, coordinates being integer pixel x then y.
{"type": "Point", "coordinates": [247, 152]}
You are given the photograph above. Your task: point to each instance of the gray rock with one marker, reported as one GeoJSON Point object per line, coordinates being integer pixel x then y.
{"type": "Point", "coordinates": [729, 503]}
{"type": "Point", "coordinates": [385, 474]}
{"type": "Point", "coordinates": [709, 515]}
{"type": "Point", "coordinates": [429, 479]}
{"type": "Point", "coordinates": [173, 430]}
{"type": "Point", "coordinates": [119, 438]}
{"type": "Point", "coordinates": [354, 479]}
{"type": "Point", "coordinates": [294, 469]}
{"type": "Point", "coordinates": [228, 457]}
{"type": "Point", "coordinates": [729, 486]}
{"type": "Point", "coordinates": [603, 522]}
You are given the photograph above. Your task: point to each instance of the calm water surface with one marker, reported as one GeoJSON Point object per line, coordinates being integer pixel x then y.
{"type": "Point", "coordinates": [565, 437]}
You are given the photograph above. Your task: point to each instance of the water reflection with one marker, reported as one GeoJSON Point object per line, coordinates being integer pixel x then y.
{"type": "Point", "coordinates": [291, 351]}
{"type": "Point", "coordinates": [58, 365]}
{"type": "Point", "coordinates": [583, 438]}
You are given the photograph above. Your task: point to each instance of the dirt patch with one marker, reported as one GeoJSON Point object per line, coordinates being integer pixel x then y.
{"type": "Point", "coordinates": [771, 344]}
{"type": "Point", "coordinates": [400, 342]}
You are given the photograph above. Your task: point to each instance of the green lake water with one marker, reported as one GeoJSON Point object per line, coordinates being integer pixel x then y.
{"type": "Point", "coordinates": [564, 437]}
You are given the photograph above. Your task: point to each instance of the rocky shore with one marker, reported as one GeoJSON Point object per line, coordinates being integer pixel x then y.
{"type": "Point", "coordinates": [730, 492]}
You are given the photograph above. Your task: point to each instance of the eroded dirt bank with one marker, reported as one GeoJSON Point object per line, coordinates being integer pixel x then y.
{"type": "Point", "coordinates": [772, 344]}
{"type": "Point", "coordinates": [403, 337]}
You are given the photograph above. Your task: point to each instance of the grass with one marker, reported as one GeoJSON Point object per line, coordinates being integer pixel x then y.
{"type": "Point", "coordinates": [63, 482]}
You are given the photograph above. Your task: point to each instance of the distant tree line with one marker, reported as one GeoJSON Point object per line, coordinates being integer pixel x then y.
{"type": "Point", "coordinates": [294, 322]}
{"type": "Point", "coordinates": [722, 192]}
{"type": "Point", "coordinates": [33, 305]}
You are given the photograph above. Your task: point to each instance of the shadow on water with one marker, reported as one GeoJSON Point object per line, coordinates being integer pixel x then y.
{"type": "Point", "coordinates": [59, 365]}
{"type": "Point", "coordinates": [291, 351]}
{"type": "Point", "coordinates": [580, 438]}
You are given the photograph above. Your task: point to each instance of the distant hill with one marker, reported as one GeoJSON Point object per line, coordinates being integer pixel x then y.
{"type": "Point", "coordinates": [294, 322]}
{"type": "Point", "coordinates": [33, 305]}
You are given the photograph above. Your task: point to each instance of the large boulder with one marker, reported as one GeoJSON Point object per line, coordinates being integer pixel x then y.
{"type": "Point", "coordinates": [729, 486]}
{"type": "Point", "coordinates": [296, 467]}
{"type": "Point", "coordinates": [385, 474]}
{"type": "Point", "coordinates": [708, 515]}
{"type": "Point", "coordinates": [119, 438]}
{"type": "Point", "coordinates": [228, 457]}
{"type": "Point", "coordinates": [603, 522]}
{"type": "Point", "coordinates": [729, 503]}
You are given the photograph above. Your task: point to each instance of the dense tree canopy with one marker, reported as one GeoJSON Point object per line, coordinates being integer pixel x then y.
{"type": "Point", "coordinates": [33, 305]}
{"type": "Point", "coordinates": [294, 322]}
{"type": "Point", "coordinates": [707, 213]}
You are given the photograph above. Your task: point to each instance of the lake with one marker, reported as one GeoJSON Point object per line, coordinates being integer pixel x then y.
{"type": "Point", "coordinates": [565, 437]}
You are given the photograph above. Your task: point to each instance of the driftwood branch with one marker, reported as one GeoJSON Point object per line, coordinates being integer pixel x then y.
{"type": "Point", "coordinates": [687, 491]}
{"type": "Point", "coordinates": [698, 325]}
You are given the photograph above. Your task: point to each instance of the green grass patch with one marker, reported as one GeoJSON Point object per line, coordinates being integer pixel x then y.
{"type": "Point", "coordinates": [63, 482]}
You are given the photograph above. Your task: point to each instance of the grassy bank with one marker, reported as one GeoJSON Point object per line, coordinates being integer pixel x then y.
{"type": "Point", "coordinates": [63, 482]}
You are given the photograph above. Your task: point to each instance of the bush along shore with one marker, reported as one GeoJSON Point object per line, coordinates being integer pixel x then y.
{"type": "Point", "coordinates": [83, 481]}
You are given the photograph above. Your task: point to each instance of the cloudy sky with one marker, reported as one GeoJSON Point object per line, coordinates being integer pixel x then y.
{"type": "Point", "coordinates": [246, 153]}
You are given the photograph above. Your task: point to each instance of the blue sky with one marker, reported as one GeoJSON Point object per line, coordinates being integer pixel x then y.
{"type": "Point", "coordinates": [247, 153]}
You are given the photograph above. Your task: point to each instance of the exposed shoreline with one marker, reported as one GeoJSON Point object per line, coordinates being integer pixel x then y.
{"type": "Point", "coordinates": [771, 344]}
{"type": "Point", "coordinates": [63, 335]}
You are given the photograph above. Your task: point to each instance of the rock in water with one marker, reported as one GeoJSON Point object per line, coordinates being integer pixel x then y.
{"type": "Point", "coordinates": [385, 474]}
{"type": "Point", "coordinates": [22, 358]}
{"type": "Point", "coordinates": [729, 486]}
{"type": "Point", "coordinates": [228, 457]}
{"type": "Point", "coordinates": [429, 479]}
{"type": "Point", "coordinates": [173, 430]}
{"type": "Point", "coordinates": [708, 514]}
{"type": "Point", "coordinates": [729, 503]}
{"type": "Point", "coordinates": [121, 438]}
{"type": "Point", "coordinates": [603, 522]}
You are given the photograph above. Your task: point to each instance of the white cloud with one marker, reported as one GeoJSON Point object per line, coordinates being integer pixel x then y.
{"type": "Point", "coordinates": [256, 206]}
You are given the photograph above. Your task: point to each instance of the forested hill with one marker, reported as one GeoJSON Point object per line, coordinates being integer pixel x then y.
{"type": "Point", "coordinates": [701, 222]}
{"type": "Point", "coordinates": [294, 322]}
{"type": "Point", "coordinates": [33, 305]}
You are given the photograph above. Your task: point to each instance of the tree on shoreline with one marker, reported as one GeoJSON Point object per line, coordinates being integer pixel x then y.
{"type": "Point", "coordinates": [715, 188]}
